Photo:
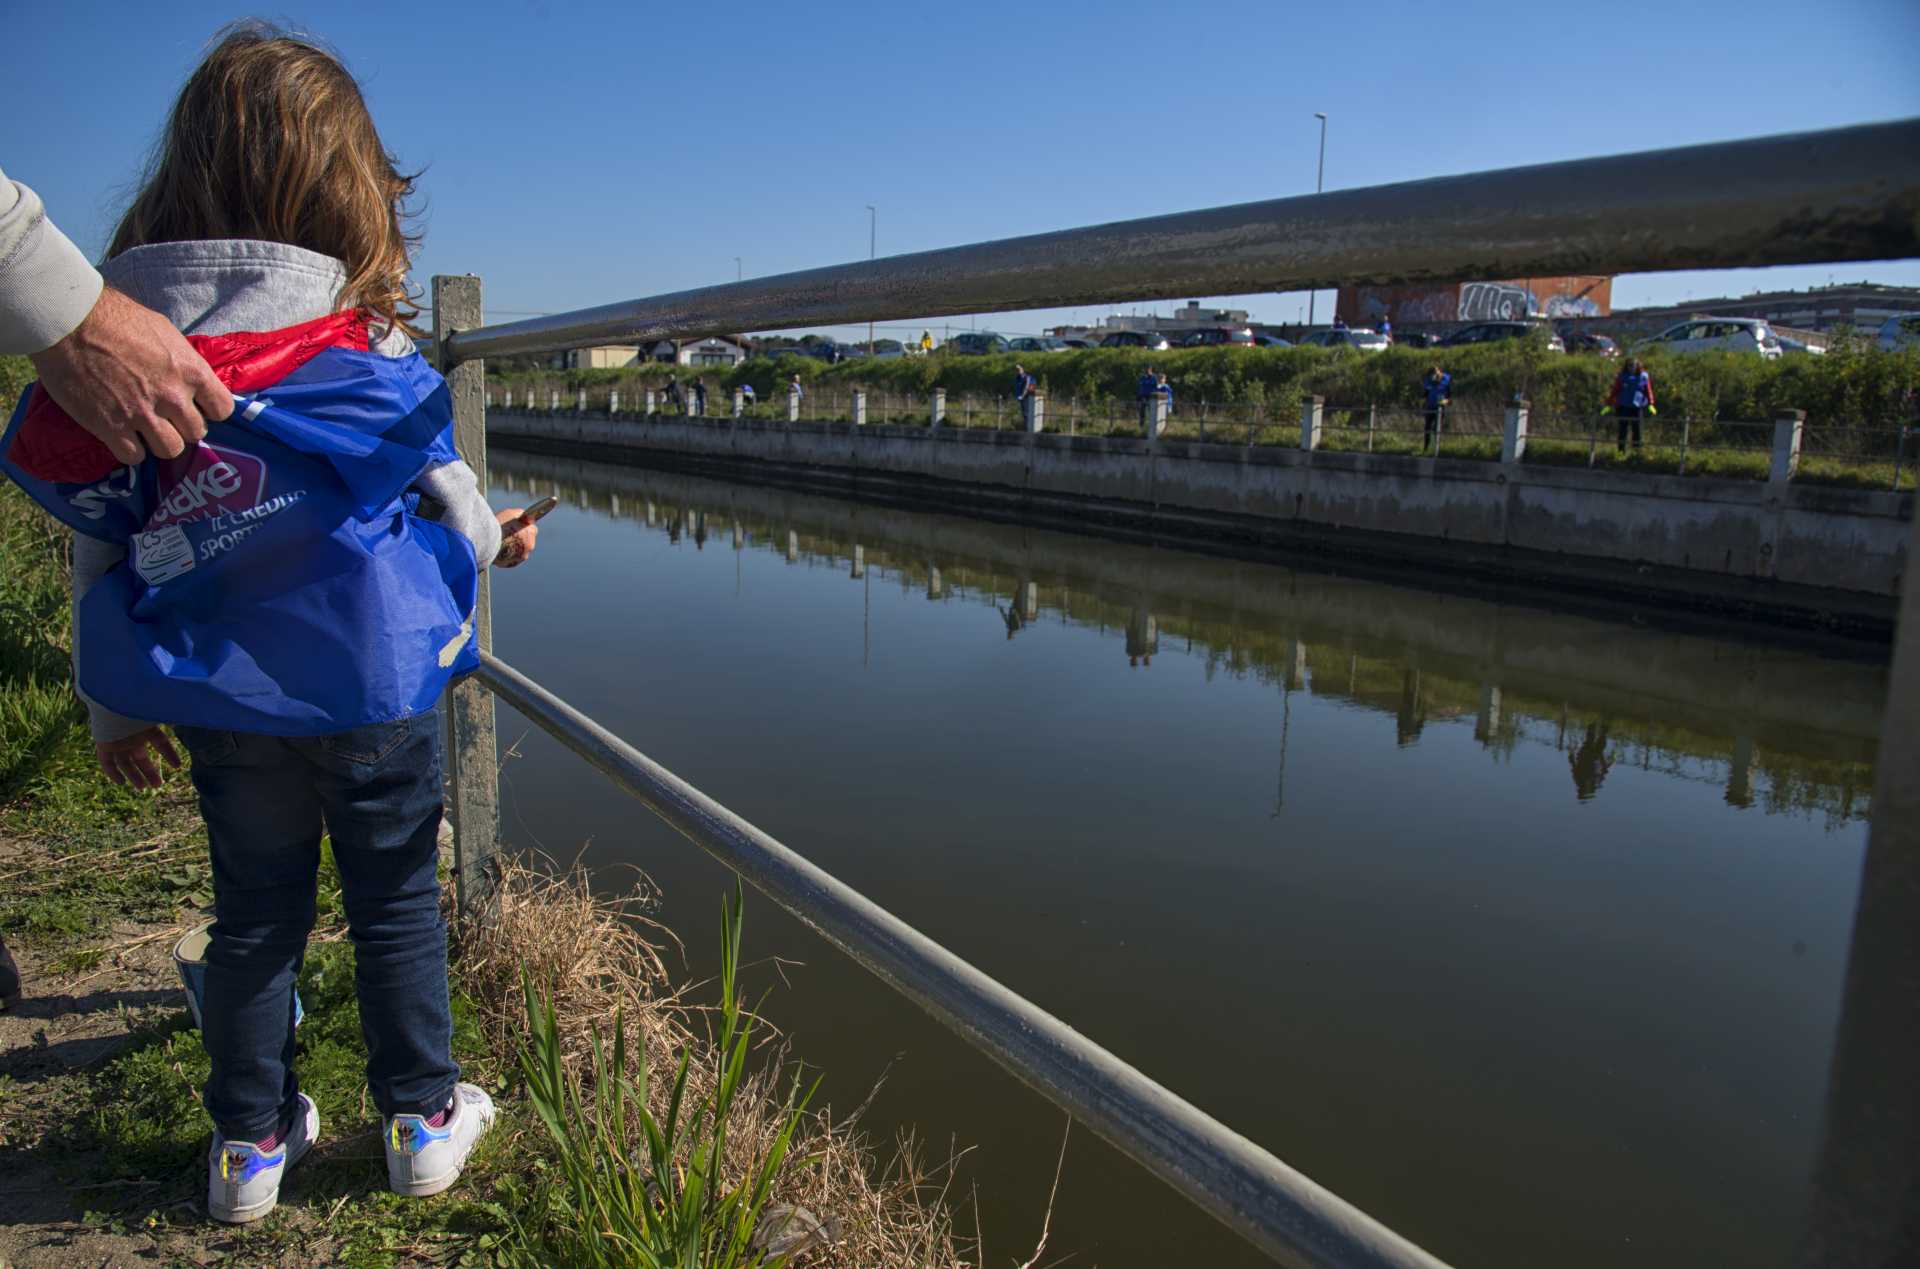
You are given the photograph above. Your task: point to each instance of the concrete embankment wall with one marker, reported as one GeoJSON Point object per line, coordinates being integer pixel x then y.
{"type": "Point", "coordinates": [1797, 554]}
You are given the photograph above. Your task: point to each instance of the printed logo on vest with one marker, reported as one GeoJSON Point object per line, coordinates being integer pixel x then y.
{"type": "Point", "coordinates": [162, 555]}
{"type": "Point", "coordinates": [205, 482]}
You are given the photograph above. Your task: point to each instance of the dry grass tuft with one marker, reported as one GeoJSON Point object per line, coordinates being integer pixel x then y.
{"type": "Point", "coordinates": [595, 958]}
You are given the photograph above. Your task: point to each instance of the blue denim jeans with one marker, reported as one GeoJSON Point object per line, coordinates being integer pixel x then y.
{"type": "Point", "coordinates": [266, 799]}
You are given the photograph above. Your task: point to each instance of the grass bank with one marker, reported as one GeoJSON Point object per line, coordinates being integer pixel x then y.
{"type": "Point", "coordinates": [102, 1137]}
{"type": "Point", "coordinates": [1854, 385]}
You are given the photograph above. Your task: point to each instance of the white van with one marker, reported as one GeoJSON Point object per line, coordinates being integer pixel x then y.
{"type": "Point", "coordinates": [1736, 334]}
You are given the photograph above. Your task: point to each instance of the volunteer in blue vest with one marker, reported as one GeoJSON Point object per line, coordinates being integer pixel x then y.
{"type": "Point", "coordinates": [1438, 386]}
{"type": "Point", "coordinates": [1631, 397]}
{"type": "Point", "coordinates": [276, 595]}
{"type": "Point", "coordinates": [1023, 383]}
{"type": "Point", "coordinates": [1386, 328]}
{"type": "Point", "coordinates": [1143, 393]}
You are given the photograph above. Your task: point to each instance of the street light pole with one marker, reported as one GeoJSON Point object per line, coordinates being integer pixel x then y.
{"type": "Point", "coordinates": [873, 223]}
{"type": "Point", "coordinates": [1319, 184]}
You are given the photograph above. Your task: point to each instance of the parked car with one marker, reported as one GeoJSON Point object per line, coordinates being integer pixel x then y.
{"type": "Point", "coordinates": [1586, 342]}
{"type": "Point", "coordinates": [1902, 330]}
{"type": "Point", "coordinates": [1135, 339]}
{"type": "Point", "coordinates": [1077, 344]}
{"type": "Point", "coordinates": [1494, 332]}
{"type": "Point", "coordinates": [1732, 334]}
{"type": "Point", "coordinates": [1788, 344]}
{"type": "Point", "coordinates": [1037, 344]}
{"type": "Point", "coordinates": [1218, 337]}
{"type": "Point", "coordinates": [1415, 339]}
{"type": "Point", "coordinates": [976, 343]}
{"type": "Point", "coordinates": [1272, 341]}
{"type": "Point", "coordinates": [1352, 337]}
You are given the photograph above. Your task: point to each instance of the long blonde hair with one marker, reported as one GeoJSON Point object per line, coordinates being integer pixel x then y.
{"type": "Point", "coordinates": [271, 139]}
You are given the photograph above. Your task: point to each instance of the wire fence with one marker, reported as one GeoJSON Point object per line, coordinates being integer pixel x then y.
{"type": "Point", "coordinates": [1884, 456]}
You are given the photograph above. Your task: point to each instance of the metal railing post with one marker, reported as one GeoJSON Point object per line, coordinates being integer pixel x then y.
{"type": "Point", "coordinates": [1371, 411]}
{"type": "Point", "coordinates": [472, 753]}
{"type": "Point", "coordinates": [1686, 438]}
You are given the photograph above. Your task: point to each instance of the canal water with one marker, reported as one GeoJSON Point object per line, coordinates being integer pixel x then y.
{"type": "Point", "coordinates": [1522, 930]}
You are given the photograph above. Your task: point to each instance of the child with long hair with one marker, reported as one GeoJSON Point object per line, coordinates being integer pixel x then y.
{"type": "Point", "coordinates": [292, 595]}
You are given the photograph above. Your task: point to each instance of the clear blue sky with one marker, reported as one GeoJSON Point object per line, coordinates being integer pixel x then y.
{"type": "Point", "coordinates": [578, 153]}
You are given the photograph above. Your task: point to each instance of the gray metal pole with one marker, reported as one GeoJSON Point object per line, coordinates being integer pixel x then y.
{"type": "Point", "coordinates": [1276, 1208]}
{"type": "Point", "coordinates": [472, 754]}
{"type": "Point", "coordinates": [1866, 1187]}
{"type": "Point", "coordinates": [1845, 194]}
{"type": "Point", "coordinates": [1319, 185]}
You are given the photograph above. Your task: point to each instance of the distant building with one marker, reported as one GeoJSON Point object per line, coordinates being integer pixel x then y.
{"type": "Point", "coordinates": [1863, 305]}
{"type": "Point", "coordinates": [604, 357]}
{"type": "Point", "coordinates": [1190, 317]}
{"type": "Point", "coordinates": [712, 351]}
{"type": "Point", "coordinates": [1511, 299]}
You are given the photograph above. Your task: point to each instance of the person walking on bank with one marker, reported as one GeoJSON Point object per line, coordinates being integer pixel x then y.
{"type": "Point", "coordinates": [673, 395]}
{"type": "Point", "coordinates": [1438, 385]}
{"type": "Point", "coordinates": [1386, 327]}
{"type": "Point", "coordinates": [336, 614]}
{"type": "Point", "coordinates": [700, 395]}
{"type": "Point", "coordinates": [1631, 397]}
{"type": "Point", "coordinates": [1023, 383]}
{"type": "Point", "coordinates": [1143, 393]}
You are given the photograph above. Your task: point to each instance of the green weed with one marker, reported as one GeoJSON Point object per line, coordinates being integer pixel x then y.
{"type": "Point", "coordinates": [672, 1207]}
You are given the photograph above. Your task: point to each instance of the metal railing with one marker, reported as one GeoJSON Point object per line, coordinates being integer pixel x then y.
{"type": "Point", "coordinates": [1847, 194]}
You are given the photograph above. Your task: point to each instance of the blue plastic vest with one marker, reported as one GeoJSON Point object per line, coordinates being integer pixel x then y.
{"type": "Point", "coordinates": [277, 578]}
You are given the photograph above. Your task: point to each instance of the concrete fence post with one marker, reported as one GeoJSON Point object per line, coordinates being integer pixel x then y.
{"type": "Point", "coordinates": [793, 407]}
{"type": "Point", "coordinates": [651, 403]}
{"type": "Point", "coordinates": [1034, 407]}
{"type": "Point", "coordinates": [937, 414]}
{"type": "Point", "coordinates": [1787, 432]}
{"type": "Point", "coordinates": [739, 403]}
{"type": "Point", "coordinates": [1513, 445]}
{"type": "Point", "coordinates": [613, 402]}
{"type": "Point", "coordinates": [1312, 412]}
{"type": "Point", "coordinates": [509, 404]}
{"type": "Point", "coordinates": [1154, 410]}
{"type": "Point", "coordinates": [859, 408]}
{"type": "Point", "coordinates": [472, 755]}
{"type": "Point", "coordinates": [553, 401]}
{"type": "Point", "coordinates": [580, 401]}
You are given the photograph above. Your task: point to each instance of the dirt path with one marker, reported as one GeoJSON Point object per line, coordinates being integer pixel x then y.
{"type": "Point", "coordinates": [68, 1024]}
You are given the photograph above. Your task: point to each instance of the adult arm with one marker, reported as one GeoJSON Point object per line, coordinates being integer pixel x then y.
{"type": "Point", "coordinates": [119, 369]}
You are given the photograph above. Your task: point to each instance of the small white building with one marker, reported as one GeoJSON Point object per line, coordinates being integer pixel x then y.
{"type": "Point", "coordinates": [712, 351]}
{"type": "Point", "coordinates": [604, 357]}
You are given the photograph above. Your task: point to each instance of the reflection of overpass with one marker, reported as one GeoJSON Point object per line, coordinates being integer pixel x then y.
{"type": "Point", "coordinates": [1808, 725]}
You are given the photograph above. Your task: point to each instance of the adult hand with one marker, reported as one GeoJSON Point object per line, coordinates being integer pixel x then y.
{"type": "Point", "coordinates": [128, 762]}
{"type": "Point", "coordinates": [516, 538]}
{"type": "Point", "coordinates": [128, 377]}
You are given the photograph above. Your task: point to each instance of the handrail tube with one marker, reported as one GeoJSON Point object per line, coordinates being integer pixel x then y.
{"type": "Point", "coordinates": [1273, 1206]}
{"type": "Point", "coordinates": [1811, 197]}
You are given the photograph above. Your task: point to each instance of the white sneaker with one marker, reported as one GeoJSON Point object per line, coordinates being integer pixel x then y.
{"type": "Point", "coordinates": [243, 1181]}
{"type": "Point", "coordinates": [423, 1160]}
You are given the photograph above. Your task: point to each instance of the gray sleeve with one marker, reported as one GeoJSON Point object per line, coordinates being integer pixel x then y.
{"type": "Point", "coordinates": [46, 285]}
{"type": "Point", "coordinates": [92, 559]}
{"type": "Point", "coordinates": [461, 508]}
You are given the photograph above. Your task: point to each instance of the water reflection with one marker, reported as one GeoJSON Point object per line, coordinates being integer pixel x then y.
{"type": "Point", "coordinates": [1781, 732]}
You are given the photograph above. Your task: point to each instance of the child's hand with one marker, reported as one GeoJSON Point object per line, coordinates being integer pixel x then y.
{"type": "Point", "coordinates": [516, 540]}
{"type": "Point", "coordinates": [128, 762]}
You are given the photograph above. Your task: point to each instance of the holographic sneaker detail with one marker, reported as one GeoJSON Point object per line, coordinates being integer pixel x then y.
{"type": "Point", "coordinates": [243, 1180]}
{"type": "Point", "coordinates": [422, 1159]}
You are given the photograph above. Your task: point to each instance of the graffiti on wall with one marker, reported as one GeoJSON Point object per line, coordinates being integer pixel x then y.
{"type": "Point", "coordinates": [1570, 306]}
{"type": "Point", "coordinates": [1494, 302]}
